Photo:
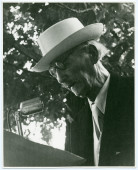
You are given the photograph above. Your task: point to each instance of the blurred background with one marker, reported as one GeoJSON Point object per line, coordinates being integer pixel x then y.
{"type": "Point", "coordinates": [22, 24]}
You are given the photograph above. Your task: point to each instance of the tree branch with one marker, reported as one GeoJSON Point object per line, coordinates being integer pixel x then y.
{"type": "Point", "coordinates": [27, 52]}
{"type": "Point", "coordinates": [26, 71]}
{"type": "Point", "coordinates": [74, 10]}
{"type": "Point", "coordinates": [9, 40]}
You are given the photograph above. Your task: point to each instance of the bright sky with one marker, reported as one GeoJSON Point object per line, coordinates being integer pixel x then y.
{"type": "Point", "coordinates": [58, 134]}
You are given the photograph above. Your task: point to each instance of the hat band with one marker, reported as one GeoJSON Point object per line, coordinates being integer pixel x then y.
{"type": "Point", "coordinates": [57, 33]}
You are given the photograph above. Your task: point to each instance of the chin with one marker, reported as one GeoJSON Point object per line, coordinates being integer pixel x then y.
{"type": "Point", "coordinates": [80, 89]}
{"type": "Point", "coordinates": [79, 95]}
{"type": "Point", "coordinates": [79, 92]}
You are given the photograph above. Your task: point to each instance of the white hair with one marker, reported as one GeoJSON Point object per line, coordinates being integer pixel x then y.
{"type": "Point", "coordinates": [101, 72]}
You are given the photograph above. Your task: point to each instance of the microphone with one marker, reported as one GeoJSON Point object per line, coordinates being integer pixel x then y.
{"type": "Point", "coordinates": [32, 106]}
{"type": "Point", "coordinates": [28, 107]}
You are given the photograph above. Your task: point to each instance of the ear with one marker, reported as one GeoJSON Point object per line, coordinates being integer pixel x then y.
{"type": "Point", "coordinates": [93, 53]}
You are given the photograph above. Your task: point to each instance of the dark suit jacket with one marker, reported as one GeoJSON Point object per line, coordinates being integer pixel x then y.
{"type": "Point", "coordinates": [117, 144]}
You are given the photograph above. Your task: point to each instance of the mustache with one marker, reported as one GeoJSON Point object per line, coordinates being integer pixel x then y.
{"type": "Point", "coordinates": [67, 85]}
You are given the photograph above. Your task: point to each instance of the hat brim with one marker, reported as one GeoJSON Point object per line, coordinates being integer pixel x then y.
{"type": "Point", "coordinates": [90, 32]}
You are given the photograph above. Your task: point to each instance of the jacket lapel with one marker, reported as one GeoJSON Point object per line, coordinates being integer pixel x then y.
{"type": "Point", "coordinates": [109, 121]}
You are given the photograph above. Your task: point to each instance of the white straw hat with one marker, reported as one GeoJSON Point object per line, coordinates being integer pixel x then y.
{"type": "Point", "coordinates": [63, 36]}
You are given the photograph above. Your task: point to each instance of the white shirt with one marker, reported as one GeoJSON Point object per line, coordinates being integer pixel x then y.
{"type": "Point", "coordinates": [99, 102]}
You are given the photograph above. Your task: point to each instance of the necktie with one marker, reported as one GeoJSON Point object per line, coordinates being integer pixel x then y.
{"type": "Point", "coordinates": [98, 121]}
{"type": "Point", "coordinates": [97, 117]}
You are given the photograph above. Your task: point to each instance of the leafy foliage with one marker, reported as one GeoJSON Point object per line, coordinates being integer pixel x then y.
{"type": "Point", "coordinates": [23, 23]}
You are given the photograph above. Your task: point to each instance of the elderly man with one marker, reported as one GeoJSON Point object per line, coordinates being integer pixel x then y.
{"type": "Point", "coordinates": [72, 55]}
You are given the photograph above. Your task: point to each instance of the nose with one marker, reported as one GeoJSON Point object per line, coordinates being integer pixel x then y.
{"type": "Point", "coordinates": [61, 76]}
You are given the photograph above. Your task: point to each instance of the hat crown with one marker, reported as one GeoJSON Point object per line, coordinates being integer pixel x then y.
{"type": "Point", "coordinates": [57, 33]}
{"type": "Point", "coordinates": [63, 36]}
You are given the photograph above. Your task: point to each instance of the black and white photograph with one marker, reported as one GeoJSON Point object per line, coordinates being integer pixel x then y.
{"type": "Point", "coordinates": [68, 84]}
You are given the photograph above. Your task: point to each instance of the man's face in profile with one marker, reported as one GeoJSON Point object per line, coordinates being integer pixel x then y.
{"type": "Point", "coordinates": [76, 73]}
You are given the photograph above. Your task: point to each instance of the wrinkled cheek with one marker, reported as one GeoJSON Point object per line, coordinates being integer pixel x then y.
{"type": "Point", "coordinates": [73, 74]}
{"type": "Point", "coordinates": [87, 78]}
{"type": "Point", "coordinates": [84, 74]}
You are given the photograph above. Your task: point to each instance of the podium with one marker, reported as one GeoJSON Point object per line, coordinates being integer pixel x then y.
{"type": "Point", "coordinates": [20, 152]}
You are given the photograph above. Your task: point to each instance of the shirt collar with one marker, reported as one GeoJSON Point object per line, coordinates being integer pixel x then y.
{"type": "Point", "coordinates": [100, 100]}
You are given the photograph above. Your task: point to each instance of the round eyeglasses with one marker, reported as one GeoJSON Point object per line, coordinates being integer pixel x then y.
{"type": "Point", "coordinates": [60, 63]}
{"type": "Point", "coordinates": [56, 66]}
